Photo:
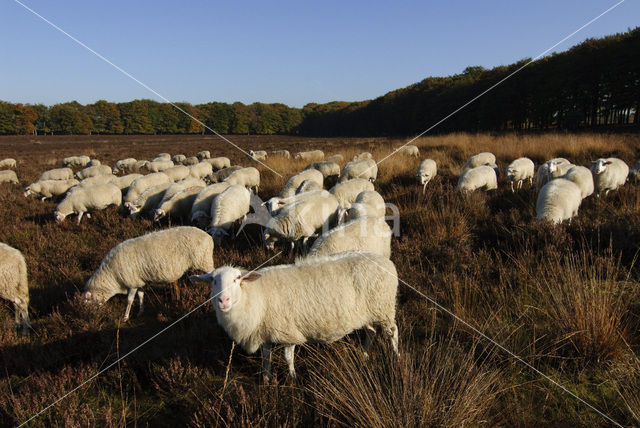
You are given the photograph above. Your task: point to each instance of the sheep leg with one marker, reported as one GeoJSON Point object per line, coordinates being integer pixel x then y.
{"type": "Point", "coordinates": [512, 191]}
{"type": "Point", "coordinates": [424, 188]}
{"type": "Point", "coordinates": [289, 353]}
{"type": "Point", "coordinates": [266, 362]}
{"type": "Point", "coordinates": [176, 290]}
{"type": "Point", "coordinates": [140, 300]}
{"type": "Point", "coordinates": [43, 198]}
{"type": "Point", "coordinates": [130, 297]}
{"type": "Point", "coordinates": [392, 331]}
{"type": "Point", "coordinates": [79, 217]}
{"type": "Point", "coordinates": [370, 332]}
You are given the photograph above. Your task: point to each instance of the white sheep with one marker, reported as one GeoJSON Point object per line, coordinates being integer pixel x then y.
{"type": "Point", "coordinates": [310, 156]}
{"type": "Point", "coordinates": [201, 208]}
{"type": "Point", "coordinates": [426, 171]}
{"type": "Point", "coordinates": [49, 188]}
{"type": "Point", "coordinates": [327, 168]}
{"type": "Point", "coordinates": [294, 182]}
{"type": "Point", "coordinates": [558, 200]}
{"type": "Point", "coordinates": [583, 178]}
{"type": "Point", "coordinates": [141, 184]}
{"type": "Point", "coordinates": [347, 191]}
{"type": "Point", "coordinates": [247, 177]}
{"type": "Point", "coordinates": [371, 234]}
{"type": "Point", "coordinates": [94, 162]}
{"type": "Point", "coordinates": [480, 177]}
{"type": "Point", "coordinates": [483, 158]}
{"type": "Point", "coordinates": [97, 179]}
{"type": "Point", "coordinates": [191, 160]}
{"type": "Point", "coordinates": [308, 186]}
{"type": "Point", "coordinates": [282, 153]}
{"type": "Point", "coordinates": [177, 173]}
{"type": "Point", "coordinates": [201, 170]}
{"type": "Point", "coordinates": [124, 165]}
{"type": "Point", "coordinates": [182, 185]}
{"type": "Point", "coordinates": [544, 173]}
{"type": "Point", "coordinates": [218, 163]}
{"type": "Point", "coordinates": [557, 170]}
{"type": "Point", "coordinates": [634, 173]}
{"type": "Point", "coordinates": [157, 165]}
{"type": "Point", "coordinates": [14, 286]}
{"type": "Point", "coordinates": [93, 171]}
{"type": "Point", "coordinates": [178, 159]}
{"type": "Point", "coordinates": [229, 207]}
{"type": "Point", "coordinates": [9, 176]}
{"type": "Point", "coordinates": [205, 154]}
{"type": "Point", "coordinates": [258, 155]}
{"type": "Point", "coordinates": [76, 161]}
{"type": "Point", "coordinates": [518, 171]}
{"type": "Point", "coordinates": [276, 203]}
{"type": "Point", "coordinates": [409, 150]}
{"type": "Point", "coordinates": [162, 256]}
{"type": "Point", "coordinates": [8, 163]}
{"type": "Point", "coordinates": [85, 199]}
{"type": "Point", "coordinates": [363, 155]}
{"type": "Point", "coordinates": [365, 168]}
{"type": "Point", "coordinates": [57, 174]}
{"type": "Point", "coordinates": [318, 299]}
{"type": "Point", "coordinates": [148, 200]}
{"type": "Point", "coordinates": [179, 206]}
{"type": "Point", "coordinates": [223, 173]}
{"type": "Point", "coordinates": [140, 165]}
{"type": "Point", "coordinates": [124, 182]}
{"type": "Point", "coordinates": [608, 174]}
{"type": "Point", "coordinates": [337, 158]}
{"type": "Point", "coordinates": [163, 156]}
{"type": "Point", "coordinates": [367, 204]}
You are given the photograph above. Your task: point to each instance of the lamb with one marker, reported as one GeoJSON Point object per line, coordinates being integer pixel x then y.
{"type": "Point", "coordinates": [201, 170]}
{"type": "Point", "coordinates": [147, 200]}
{"type": "Point", "coordinates": [634, 173]}
{"type": "Point", "coordinates": [222, 174]}
{"type": "Point", "coordinates": [294, 182]}
{"type": "Point", "coordinates": [179, 206]}
{"type": "Point", "coordinates": [247, 177]}
{"type": "Point", "coordinates": [9, 176]}
{"type": "Point", "coordinates": [367, 204]}
{"type": "Point", "coordinates": [76, 161]}
{"type": "Point", "coordinates": [310, 156]}
{"type": "Point", "coordinates": [480, 177]}
{"type": "Point", "coordinates": [283, 153]}
{"type": "Point", "coordinates": [544, 175]}
{"type": "Point", "coordinates": [518, 171]}
{"type": "Point", "coordinates": [8, 163]}
{"type": "Point", "coordinates": [97, 179]}
{"type": "Point", "coordinates": [558, 200]}
{"type": "Point", "coordinates": [191, 160]}
{"type": "Point", "coordinates": [318, 299]}
{"type": "Point", "coordinates": [583, 178]}
{"type": "Point", "coordinates": [308, 186]}
{"type": "Point", "coordinates": [139, 185]}
{"type": "Point", "coordinates": [93, 171]}
{"type": "Point", "coordinates": [276, 203]}
{"type": "Point", "coordinates": [157, 165]}
{"type": "Point", "coordinates": [259, 155]}
{"type": "Point", "coordinates": [229, 207]}
{"type": "Point", "coordinates": [426, 171]}
{"type": "Point", "coordinates": [162, 256]}
{"type": "Point", "coordinates": [327, 168]}
{"type": "Point", "coordinates": [178, 159]}
{"type": "Point", "coordinates": [363, 155]}
{"type": "Point", "coordinates": [608, 174]}
{"type": "Point", "coordinates": [365, 168]}
{"type": "Point", "coordinates": [483, 158]}
{"type": "Point", "coordinates": [124, 165]}
{"type": "Point", "coordinates": [337, 158]}
{"type": "Point", "coordinates": [409, 150]}
{"type": "Point", "coordinates": [347, 191]}
{"type": "Point", "coordinates": [14, 286]}
{"type": "Point", "coordinates": [201, 208]}
{"type": "Point", "coordinates": [371, 234]}
{"type": "Point", "coordinates": [85, 199]}
{"type": "Point", "coordinates": [56, 174]}
{"type": "Point", "coordinates": [218, 163]}
{"type": "Point", "coordinates": [205, 154]}
{"type": "Point", "coordinates": [177, 173]}
{"type": "Point", "coordinates": [49, 188]}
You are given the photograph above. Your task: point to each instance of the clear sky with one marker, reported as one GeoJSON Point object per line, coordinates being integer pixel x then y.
{"type": "Point", "coordinates": [293, 52]}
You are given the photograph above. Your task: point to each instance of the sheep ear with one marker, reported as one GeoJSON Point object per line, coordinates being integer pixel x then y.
{"type": "Point", "coordinates": [251, 276]}
{"type": "Point", "coordinates": [205, 277]}
{"type": "Point", "coordinates": [607, 163]}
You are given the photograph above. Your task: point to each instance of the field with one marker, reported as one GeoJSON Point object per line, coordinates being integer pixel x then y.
{"type": "Point", "coordinates": [563, 298]}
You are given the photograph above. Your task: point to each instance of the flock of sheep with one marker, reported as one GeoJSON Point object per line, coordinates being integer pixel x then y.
{"type": "Point", "coordinates": [285, 304]}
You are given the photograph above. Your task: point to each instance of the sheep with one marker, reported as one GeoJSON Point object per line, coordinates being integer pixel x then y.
{"type": "Point", "coordinates": [163, 156]}
{"type": "Point", "coordinates": [84, 199]}
{"type": "Point", "coordinates": [519, 170]}
{"type": "Point", "coordinates": [371, 234]}
{"type": "Point", "coordinates": [480, 177]}
{"type": "Point", "coordinates": [318, 299]}
{"type": "Point", "coordinates": [8, 163]}
{"type": "Point", "coordinates": [201, 208]}
{"type": "Point", "coordinates": [140, 165]}
{"type": "Point", "coordinates": [310, 156]}
{"type": "Point", "coordinates": [327, 168]}
{"type": "Point", "coordinates": [97, 179]}
{"type": "Point", "coordinates": [308, 186]}
{"type": "Point", "coordinates": [479, 159]}
{"type": "Point", "coordinates": [409, 150]}
{"type": "Point", "coordinates": [222, 174]}
{"type": "Point", "coordinates": [124, 182]}
{"type": "Point", "coordinates": [259, 155]}
{"type": "Point", "coordinates": [608, 174]}
{"type": "Point", "coordinates": [157, 165]}
{"type": "Point", "coordinates": [178, 159]}
{"type": "Point", "coordinates": [583, 178]}
{"type": "Point", "coordinates": [93, 171]}
{"type": "Point", "coordinates": [558, 170]}
{"type": "Point", "coordinates": [363, 155]}
{"type": "Point", "coordinates": [544, 174]}
{"type": "Point", "coordinates": [558, 200]}
{"type": "Point", "coordinates": [179, 206]}
{"type": "Point", "coordinates": [282, 153]}
{"type": "Point", "coordinates": [76, 161]}
{"type": "Point", "coordinates": [205, 154]}
{"type": "Point", "coordinates": [367, 204]}
{"type": "Point", "coordinates": [14, 286]}
{"type": "Point", "coordinates": [139, 185]}
{"type": "Point", "coordinates": [182, 185]}
{"type": "Point", "coordinates": [247, 177]}
{"type": "Point", "coordinates": [162, 256]}
{"type": "Point", "coordinates": [49, 188]}
{"type": "Point", "coordinates": [276, 203]}
{"type": "Point", "coordinates": [147, 200]}
{"type": "Point", "coordinates": [294, 182]}
{"type": "Point", "coordinates": [218, 163]}
{"type": "Point", "coordinates": [298, 221]}
{"type": "Point", "coordinates": [634, 173]}
{"type": "Point", "coordinates": [124, 165]}
{"type": "Point", "coordinates": [365, 168]}
{"type": "Point", "coordinates": [191, 160]}
{"type": "Point", "coordinates": [229, 207]}
{"type": "Point", "coordinates": [201, 170]}
{"type": "Point", "coordinates": [9, 176]}
{"type": "Point", "coordinates": [426, 171]}
{"type": "Point", "coordinates": [94, 162]}
{"type": "Point", "coordinates": [347, 191]}
{"type": "Point", "coordinates": [177, 173]}
{"type": "Point", "coordinates": [57, 174]}
{"type": "Point", "coordinates": [337, 158]}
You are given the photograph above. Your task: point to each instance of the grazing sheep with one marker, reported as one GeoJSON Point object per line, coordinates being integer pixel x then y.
{"type": "Point", "coordinates": [328, 169]}
{"type": "Point", "coordinates": [583, 178]}
{"type": "Point", "coordinates": [544, 173]}
{"type": "Point", "coordinates": [177, 173]}
{"type": "Point", "coordinates": [634, 173]}
{"type": "Point", "coordinates": [222, 174]}
{"type": "Point", "coordinates": [310, 156]}
{"type": "Point", "coordinates": [247, 177]}
{"type": "Point", "coordinates": [308, 186]}
{"type": "Point", "coordinates": [276, 203]}
{"type": "Point", "coordinates": [558, 200]}
{"type": "Point", "coordinates": [480, 177]}
{"type": "Point", "coordinates": [229, 207]}
{"type": "Point", "coordinates": [182, 185]}
{"type": "Point", "coordinates": [191, 160]}
{"type": "Point", "coordinates": [371, 234]}
{"type": "Point", "coordinates": [347, 191]}
{"type": "Point", "coordinates": [97, 179]}
{"type": "Point", "coordinates": [162, 256]}
{"type": "Point", "coordinates": [337, 158]}
{"type": "Point", "coordinates": [201, 208]}
{"type": "Point", "coordinates": [365, 168]}
{"type": "Point", "coordinates": [294, 182]}
{"type": "Point", "coordinates": [426, 171]}
{"type": "Point", "coordinates": [57, 174]}
{"type": "Point", "coordinates": [93, 171]}
{"type": "Point", "coordinates": [9, 176]}
{"type": "Point", "coordinates": [163, 156]}
{"type": "Point", "coordinates": [141, 184]}
{"type": "Point", "coordinates": [124, 165]}
{"type": "Point", "coordinates": [13, 283]}
{"type": "Point", "coordinates": [483, 158]}
{"type": "Point", "coordinates": [363, 155]}
{"type": "Point", "coordinates": [158, 165]}
{"type": "Point", "coordinates": [76, 161]}
{"type": "Point", "coordinates": [367, 204]}
{"type": "Point", "coordinates": [319, 299]}
{"type": "Point", "coordinates": [148, 200]}
{"type": "Point", "coordinates": [178, 159]}
{"type": "Point", "coordinates": [282, 153]}
{"type": "Point", "coordinates": [608, 174]}
{"type": "Point", "coordinates": [409, 150]}
{"type": "Point", "coordinates": [205, 154]}
{"type": "Point", "coordinates": [519, 170]}
{"type": "Point", "coordinates": [218, 163]}
{"type": "Point", "coordinates": [140, 165]}
{"type": "Point", "coordinates": [49, 188]}
{"type": "Point", "coordinates": [259, 155]}
{"type": "Point", "coordinates": [124, 182]}
{"type": "Point", "coordinates": [201, 170]}
{"type": "Point", "coordinates": [179, 206]}
{"type": "Point", "coordinates": [94, 162]}
{"type": "Point", "coordinates": [8, 163]}
{"type": "Point", "coordinates": [85, 199]}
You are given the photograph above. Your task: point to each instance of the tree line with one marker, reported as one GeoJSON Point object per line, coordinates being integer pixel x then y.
{"type": "Point", "coordinates": [595, 84]}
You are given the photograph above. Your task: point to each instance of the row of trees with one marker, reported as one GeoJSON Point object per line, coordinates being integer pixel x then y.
{"type": "Point", "coordinates": [594, 84]}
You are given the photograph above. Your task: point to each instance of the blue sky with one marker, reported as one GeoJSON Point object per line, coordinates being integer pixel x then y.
{"type": "Point", "coordinates": [278, 51]}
